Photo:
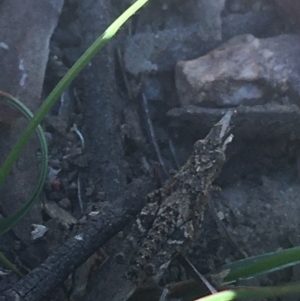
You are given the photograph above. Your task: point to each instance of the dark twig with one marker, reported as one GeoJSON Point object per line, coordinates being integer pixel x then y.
{"type": "Point", "coordinates": [223, 229]}
{"type": "Point", "coordinates": [152, 134]}
{"type": "Point", "coordinates": [190, 268]}
{"type": "Point", "coordinates": [40, 282]}
{"type": "Point", "coordinates": [172, 149]}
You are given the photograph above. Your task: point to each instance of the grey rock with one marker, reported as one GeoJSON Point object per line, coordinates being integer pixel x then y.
{"type": "Point", "coordinates": [244, 71]}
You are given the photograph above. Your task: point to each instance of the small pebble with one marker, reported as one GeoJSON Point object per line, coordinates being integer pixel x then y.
{"type": "Point", "coordinates": [65, 203]}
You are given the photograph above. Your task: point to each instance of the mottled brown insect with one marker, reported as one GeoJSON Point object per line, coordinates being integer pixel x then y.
{"type": "Point", "coordinates": [172, 215]}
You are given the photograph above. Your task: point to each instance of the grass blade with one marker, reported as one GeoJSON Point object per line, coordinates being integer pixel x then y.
{"type": "Point", "coordinates": [7, 223]}
{"type": "Point", "coordinates": [255, 292]}
{"type": "Point", "coordinates": [63, 84]}
{"type": "Point", "coordinates": [261, 264]}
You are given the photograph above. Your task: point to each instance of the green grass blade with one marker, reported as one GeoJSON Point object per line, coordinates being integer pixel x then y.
{"type": "Point", "coordinates": [63, 84]}
{"type": "Point", "coordinates": [261, 264]}
{"type": "Point", "coordinates": [255, 292]}
{"type": "Point", "coordinates": [8, 265]}
{"type": "Point", "coordinates": [7, 223]}
{"type": "Point", "coordinates": [222, 296]}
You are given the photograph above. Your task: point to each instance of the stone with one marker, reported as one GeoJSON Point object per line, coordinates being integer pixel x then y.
{"type": "Point", "coordinates": [244, 71]}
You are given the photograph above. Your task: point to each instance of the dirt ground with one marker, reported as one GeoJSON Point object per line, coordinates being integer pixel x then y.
{"type": "Point", "coordinates": [135, 112]}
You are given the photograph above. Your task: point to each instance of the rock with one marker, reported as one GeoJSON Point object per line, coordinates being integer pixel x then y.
{"type": "Point", "coordinates": [269, 121]}
{"type": "Point", "coordinates": [26, 28]}
{"type": "Point", "coordinates": [156, 52]}
{"type": "Point", "coordinates": [289, 9]}
{"type": "Point", "coordinates": [210, 22]}
{"type": "Point", "coordinates": [56, 212]}
{"type": "Point", "coordinates": [244, 71]}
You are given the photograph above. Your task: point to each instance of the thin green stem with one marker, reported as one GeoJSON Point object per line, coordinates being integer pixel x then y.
{"type": "Point", "coordinates": [7, 223]}
{"type": "Point", "coordinates": [9, 265]}
{"type": "Point", "coordinates": [63, 84]}
{"type": "Point", "coordinates": [261, 264]}
{"type": "Point", "coordinates": [255, 292]}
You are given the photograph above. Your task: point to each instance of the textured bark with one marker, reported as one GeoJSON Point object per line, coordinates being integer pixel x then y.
{"type": "Point", "coordinates": [101, 102]}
